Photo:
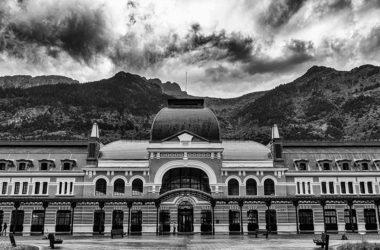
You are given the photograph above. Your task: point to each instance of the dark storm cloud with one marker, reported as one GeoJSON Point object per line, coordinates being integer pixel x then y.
{"type": "Point", "coordinates": [77, 30]}
{"type": "Point", "coordinates": [195, 47]}
{"type": "Point", "coordinates": [295, 52]}
{"type": "Point", "coordinates": [279, 12]}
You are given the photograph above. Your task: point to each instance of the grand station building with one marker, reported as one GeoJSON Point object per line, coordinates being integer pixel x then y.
{"type": "Point", "coordinates": [187, 176]}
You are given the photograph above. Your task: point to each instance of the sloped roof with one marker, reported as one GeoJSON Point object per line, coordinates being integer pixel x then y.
{"type": "Point", "coordinates": [313, 154]}
{"type": "Point", "coordinates": [245, 150]}
{"type": "Point", "coordinates": [125, 150]}
{"type": "Point", "coordinates": [137, 150]}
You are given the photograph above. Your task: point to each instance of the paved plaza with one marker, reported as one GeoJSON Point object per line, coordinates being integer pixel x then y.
{"type": "Point", "coordinates": [219, 242]}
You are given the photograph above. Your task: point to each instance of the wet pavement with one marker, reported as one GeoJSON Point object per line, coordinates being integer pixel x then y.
{"type": "Point", "coordinates": [218, 242]}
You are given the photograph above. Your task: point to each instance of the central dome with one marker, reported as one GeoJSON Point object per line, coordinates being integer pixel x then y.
{"type": "Point", "coordinates": [188, 115]}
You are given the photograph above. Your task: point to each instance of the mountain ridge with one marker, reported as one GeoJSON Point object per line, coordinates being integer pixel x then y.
{"type": "Point", "coordinates": [323, 103]}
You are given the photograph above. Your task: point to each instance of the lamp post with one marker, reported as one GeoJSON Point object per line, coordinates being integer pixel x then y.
{"type": "Point", "coordinates": [295, 204]}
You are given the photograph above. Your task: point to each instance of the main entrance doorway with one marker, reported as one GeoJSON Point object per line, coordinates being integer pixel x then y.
{"type": "Point", "coordinates": [185, 217]}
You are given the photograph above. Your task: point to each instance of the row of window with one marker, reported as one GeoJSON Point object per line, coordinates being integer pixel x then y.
{"type": "Point", "coordinates": [251, 187]}
{"type": "Point", "coordinates": [344, 165]}
{"type": "Point", "coordinates": [365, 187]}
{"type": "Point", "coordinates": [40, 188]}
{"type": "Point", "coordinates": [44, 165]}
{"type": "Point", "coordinates": [305, 222]}
{"type": "Point", "coordinates": [119, 187]}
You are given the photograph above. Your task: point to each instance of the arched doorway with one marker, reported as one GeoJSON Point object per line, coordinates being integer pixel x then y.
{"type": "Point", "coordinates": [185, 217]}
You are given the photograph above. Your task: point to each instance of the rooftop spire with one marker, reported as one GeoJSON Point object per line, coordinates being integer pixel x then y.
{"type": "Point", "coordinates": [275, 133]}
{"type": "Point", "coordinates": [95, 131]}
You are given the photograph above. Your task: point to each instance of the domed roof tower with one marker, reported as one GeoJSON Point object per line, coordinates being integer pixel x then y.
{"type": "Point", "coordinates": [185, 115]}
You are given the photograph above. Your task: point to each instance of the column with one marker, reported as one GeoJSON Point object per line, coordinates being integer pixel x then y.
{"type": "Point", "coordinates": [377, 203]}
{"type": "Point", "coordinates": [323, 204]}
{"type": "Point", "coordinates": [241, 203]}
{"type": "Point", "coordinates": [129, 204]}
{"type": "Point", "coordinates": [157, 204]}
{"type": "Point", "coordinates": [213, 203]}
{"type": "Point", "coordinates": [73, 206]}
{"type": "Point", "coordinates": [268, 203]}
{"type": "Point", "coordinates": [350, 203]}
{"type": "Point", "coordinates": [45, 205]}
{"type": "Point", "coordinates": [295, 204]}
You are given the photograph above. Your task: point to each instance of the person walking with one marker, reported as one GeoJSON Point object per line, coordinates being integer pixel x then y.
{"type": "Point", "coordinates": [5, 229]}
{"type": "Point", "coordinates": [174, 227]}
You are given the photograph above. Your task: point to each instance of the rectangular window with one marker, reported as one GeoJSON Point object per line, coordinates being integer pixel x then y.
{"type": "Point", "coordinates": [308, 188]}
{"type": "Point", "coordinates": [369, 186]}
{"type": "Point", "coordinates": [37, 188]}
{"type": "Point", "coordinates": [362, 187]}
{"type": "Point", "coordinates": [17, 188]}
{"type": "Point", "coordinates": [343, 187]}
{"type": "Point", "coordinates": [71, 187]}
{"type": "Point", "coordinates": [303, 188]}
{"type": "Point", "coordinates": [24, 188]}
{"type": "Point", "coordinates": [65, 187]}
{"type": "Point", "coordinates": [2, 166]}
{"type": "Point", "coordinates": [44, 188]}
{"type": "Point", "coordinates": [298, 188]}
{"type": "Point", "coordinates": [60, 188]}
{"type": "Point", "coordinates": [350, 187]}
{"type": "Point", "coordinates": [331, 186]}
{"type": "Point", "coordinates": [5, 187]}
{"type": "Point", "coordinates": [324, 189]}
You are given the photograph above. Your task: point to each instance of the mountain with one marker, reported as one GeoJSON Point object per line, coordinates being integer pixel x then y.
{"type": "Point", "coordinates": [26, 81]}
{"type": "Point", "coordinates": [324, 103]}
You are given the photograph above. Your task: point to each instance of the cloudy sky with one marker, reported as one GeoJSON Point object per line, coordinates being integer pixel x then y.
{"type": "Point", "coordinates": [227, 47]}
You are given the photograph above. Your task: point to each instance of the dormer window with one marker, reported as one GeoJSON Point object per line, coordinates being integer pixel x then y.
{"type": "Point", "coordinates": [365, 166]}
{"type": "Point", "coordinates": [46, 164]}
{"type": "Point", "coordinates": [326, 166]}
{"type": "Point", "coordinates": [345, 166]}
{"type": "Point", "coordinates": [68, 165]}
{"type": "Point", "coordinates": [24, 164]}
{"type": "Point", "coordinates": [5, 164]}
{"type": "Point", "coordinates": [301, 165]}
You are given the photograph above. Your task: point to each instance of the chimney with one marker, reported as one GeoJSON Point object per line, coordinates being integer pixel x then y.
{"type": "Point", "coordinates": [93, 146]}
{"type": "Point", "coordinates": [276, 144]}
{"type": "Point", "coordinates": [95, 131]}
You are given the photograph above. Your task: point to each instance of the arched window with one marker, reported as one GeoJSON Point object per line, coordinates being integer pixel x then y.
{"type": "Point", "coordinates": [233, 187]}
{"type": "Point", "coordinates": [137, 187]}
{"type": "Point", "coordinates": [269, 187]}
{"type": "Point", "coordinates": [185, 178]}
{"type": "Point", "coordinates": [101, 187]}
{"type": "Point", "coordinates": [119, 187]}
{"type": "Point", "coordinates": [251, 187]}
